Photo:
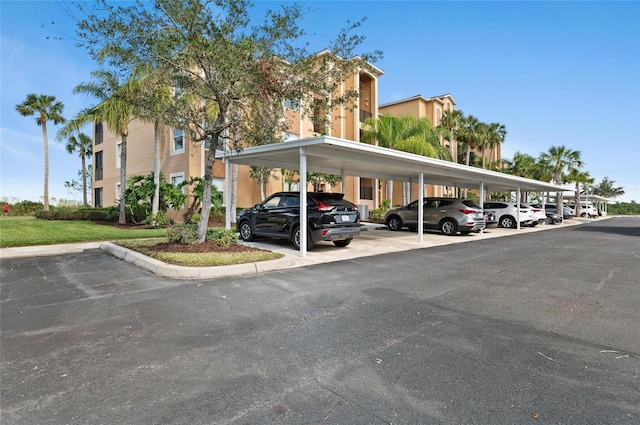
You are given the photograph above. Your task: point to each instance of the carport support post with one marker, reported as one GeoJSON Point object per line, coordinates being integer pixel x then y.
{"type": "Point", "coordinates": [421, 208]}
{"type": "Point", "coordinates": [482, 201]}
{"type": "Point", "coordinates": [518, 208]}
{"type": "Point", "coordinates": [303, 202]}
{"type": "Point", "coordinates": [227, 193]}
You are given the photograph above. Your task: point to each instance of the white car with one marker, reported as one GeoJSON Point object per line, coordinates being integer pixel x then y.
{"type": "Point", "coordinates": [588, 210]}
{"type": "Point", "coordinates": [507, 213]}
{"type": "Point", "coordinates": [539, 214]}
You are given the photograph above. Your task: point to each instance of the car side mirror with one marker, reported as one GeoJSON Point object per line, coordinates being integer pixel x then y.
{"type": "Point", "coordinates": [257, 206]}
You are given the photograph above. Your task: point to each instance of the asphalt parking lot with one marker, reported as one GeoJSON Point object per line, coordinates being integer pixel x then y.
{"type": "Point", "coordinates": [538, 327]}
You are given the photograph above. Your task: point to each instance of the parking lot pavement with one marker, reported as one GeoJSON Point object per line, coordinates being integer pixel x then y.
{"type": "Point", "coordinates": [537, 328]}
{"type": "Point", "coordinates": [374, 239]}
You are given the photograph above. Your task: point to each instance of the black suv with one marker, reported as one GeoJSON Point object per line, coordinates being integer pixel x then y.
{"type": "Point", "coordinates": [331, 218]}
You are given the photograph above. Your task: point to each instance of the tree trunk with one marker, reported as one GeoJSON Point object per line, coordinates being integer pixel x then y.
{"type": "Point", "coordinates": [45, 142]}
{"type": "Point", "coordinates": [206, 196]}
{"type": "Point", "coordinates": [84, 180]}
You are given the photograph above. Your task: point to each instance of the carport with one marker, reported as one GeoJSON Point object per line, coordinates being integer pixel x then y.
{"type": "Point", "coordinates": [327, 154]}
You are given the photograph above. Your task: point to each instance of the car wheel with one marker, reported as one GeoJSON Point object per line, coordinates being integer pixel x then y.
{"type": "Point", "coordinates": [507, 222]}
{"type": "Point", "coordinates": [550, 220]}
{"type": "Point", "coordinates": [295, 238]}
{"type": "Point", "coordinates": [394, 223]}
{"type": "Point", "coordinates": [449, 227]}
{"type": "Point", "coordinates": [583, 215]}
{"type": "Point", "coordinates": [342, 243]}
{"type": "Point", "coordinates": [246, 232]}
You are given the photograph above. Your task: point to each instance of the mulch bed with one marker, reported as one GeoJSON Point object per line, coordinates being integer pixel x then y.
{"type": "Point", "coordinates": [206, 246]}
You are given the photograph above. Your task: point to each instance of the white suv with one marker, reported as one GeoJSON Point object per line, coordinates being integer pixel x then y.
{"type": "Point", "coordinates": [507, 213]}
{"type": "Point", "coordinates": [588, 210]}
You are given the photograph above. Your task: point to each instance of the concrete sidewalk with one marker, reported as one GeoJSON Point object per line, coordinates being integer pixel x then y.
{"type": "Point", "coordinates": [374, 239]}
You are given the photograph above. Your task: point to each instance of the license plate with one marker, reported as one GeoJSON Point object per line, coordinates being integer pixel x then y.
{"type": "Point", "coordinates": [345, 217]}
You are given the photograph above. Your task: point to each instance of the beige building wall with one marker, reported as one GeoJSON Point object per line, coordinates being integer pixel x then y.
{"type": "Point", "coordinates": [346, 123]}
{"type": "Point", "coordinates": [421, 107]}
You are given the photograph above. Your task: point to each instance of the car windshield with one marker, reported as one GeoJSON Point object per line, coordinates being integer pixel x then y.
{"type": "Point", "coordinates": [331, 199]}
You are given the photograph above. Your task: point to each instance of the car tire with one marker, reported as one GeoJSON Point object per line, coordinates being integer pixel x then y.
{"type": "Point", "coordinates": [449, 227]}
{"type": "Point", "coordinates": [295, 239]}
{"type": "Point", "coordinates": [583, 215]}
{"type": "Point", "coordinates": [246, 232]}
{"type": "Point", "coordinates": [342, 243]}
{"type": "Point", "coordinates": [507, 222]}
{"type": "Point", "coordinates": [550, 220]}
{"type": "Point", "coordinates": [394, 223]}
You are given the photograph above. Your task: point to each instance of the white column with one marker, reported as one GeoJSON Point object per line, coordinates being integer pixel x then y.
{"type": "Point", "coordinates": [482, 201]}
{"type": "Point", "coordinates": [518, 209]}
{"type": "Point", "coordinates": [227, 192]}
{"type": "Point", "coordinates": [421, 208]}
{"type": "Point", "coordinates": [303, 203]}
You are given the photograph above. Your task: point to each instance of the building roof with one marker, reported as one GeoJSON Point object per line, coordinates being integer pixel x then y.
{"type": "Point", "coordinates": [438, 99]}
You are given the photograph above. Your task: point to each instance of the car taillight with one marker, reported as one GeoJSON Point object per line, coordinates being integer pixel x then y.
{"type": "Point", "coordinates": [324, 207]}
{"type": "Point", "coordinates": [469, 212]}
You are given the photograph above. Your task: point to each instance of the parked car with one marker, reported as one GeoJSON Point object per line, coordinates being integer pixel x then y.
{"type": "Point", "coordinates": [553, 218]}
{"type": "Point", "coordinates": [550, 212]}
{"type": "Point", "coordinates": [490, 220]}
{"type": "Point", "coordinates": [330, 218]}
{"type": "Point", "coordinates": [539, 214]}
{"type": "Point", "coordinates": [567, 213]}
{"type": "Point", "coordinates": [588, 210]}
{"type": "Point", "coordinates": [506, 213]}
{"type": "Point", "coordinates": [449, 215]}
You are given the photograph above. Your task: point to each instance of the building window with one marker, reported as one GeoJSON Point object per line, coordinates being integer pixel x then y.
{"type": "Point", "coordinates": [292, 105]}
{"type": "Point", "coordinates": [366, 189]}
{"type": "Point", "coordinates": [176, 179]}
{"type": "Point", "coordinates": [99, 166]}
{"type": "Point", "coordinates": [97, 197]}
{"type": "Point", "coordinates": [98, 133]}
{"type": "Point", "coordinates": [117, 197]}
{"type": "Point", "coordinates": [118, 153]}
{"type": "Point", "coordinates": [178, 140]}
{"type": "Point", "coordinates": [219, 185]}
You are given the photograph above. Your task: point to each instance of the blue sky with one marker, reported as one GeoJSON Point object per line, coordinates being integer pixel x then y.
{"type": "Point", "coordinates": [554, 73]}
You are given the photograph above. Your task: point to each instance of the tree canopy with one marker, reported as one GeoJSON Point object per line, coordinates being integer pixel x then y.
{"type": "Point", "coordinates": [235, 75]}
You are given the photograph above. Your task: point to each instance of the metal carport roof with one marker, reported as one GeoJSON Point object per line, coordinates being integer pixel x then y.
{"type": "Point", "coordinates": [348, 158]}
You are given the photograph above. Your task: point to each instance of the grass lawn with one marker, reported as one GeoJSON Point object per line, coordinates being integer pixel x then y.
{"type": "Point", "coordinates": [28, 231]}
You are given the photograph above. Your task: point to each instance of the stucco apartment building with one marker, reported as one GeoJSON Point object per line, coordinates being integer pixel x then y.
{"type": "Point", "coordinates": [180, 160]}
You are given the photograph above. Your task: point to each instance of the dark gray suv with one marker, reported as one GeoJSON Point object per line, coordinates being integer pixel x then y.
{"type": "Point", "coordinates": [330, 218]}
{"type": "Point", "coordinates": [449, 215]}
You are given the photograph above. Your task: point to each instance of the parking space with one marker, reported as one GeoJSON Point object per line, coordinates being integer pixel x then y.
{"type": "Point", "coordinates": [376, 238]}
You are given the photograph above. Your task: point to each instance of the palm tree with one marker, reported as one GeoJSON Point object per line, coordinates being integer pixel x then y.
{"type": "Point", "coordinates": [116, 110]}
{"type": "Point", "coordinates": [578, 177]}
{"type": "Point", "coordinates": [497, 134]}
{"type": "Point", "coordinates": [84, 146]}
{"type": "Point", "coordinates": [385, 131]}
{"type": "Point", "coordinates": [468, 135]}
{"type": "Point", "coordinates": [45, 108]}
{"type": "Point", "coordinates": [451, 122]}
{"type": "Point", "coordinates": [561, 160]}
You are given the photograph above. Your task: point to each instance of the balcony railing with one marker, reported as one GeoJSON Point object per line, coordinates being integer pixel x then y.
{"type": "Point", "coordinates": [364, 115]}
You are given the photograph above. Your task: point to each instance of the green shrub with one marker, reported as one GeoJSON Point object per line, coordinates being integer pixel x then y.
{"type": "Point", "coordinates": [158, 220]}
{"type": "Point", "coordinates": [377, 214]}
{"type": "Point", "coordinates": [195, 218]}
{"type": "Point", "coordinates": [185, 234]}
{"type": "Point", "coordinates": [222, 237]}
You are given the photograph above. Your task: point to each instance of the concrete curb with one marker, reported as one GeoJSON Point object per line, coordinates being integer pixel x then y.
{"type": "Point", "coordinates": [162, 269]}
